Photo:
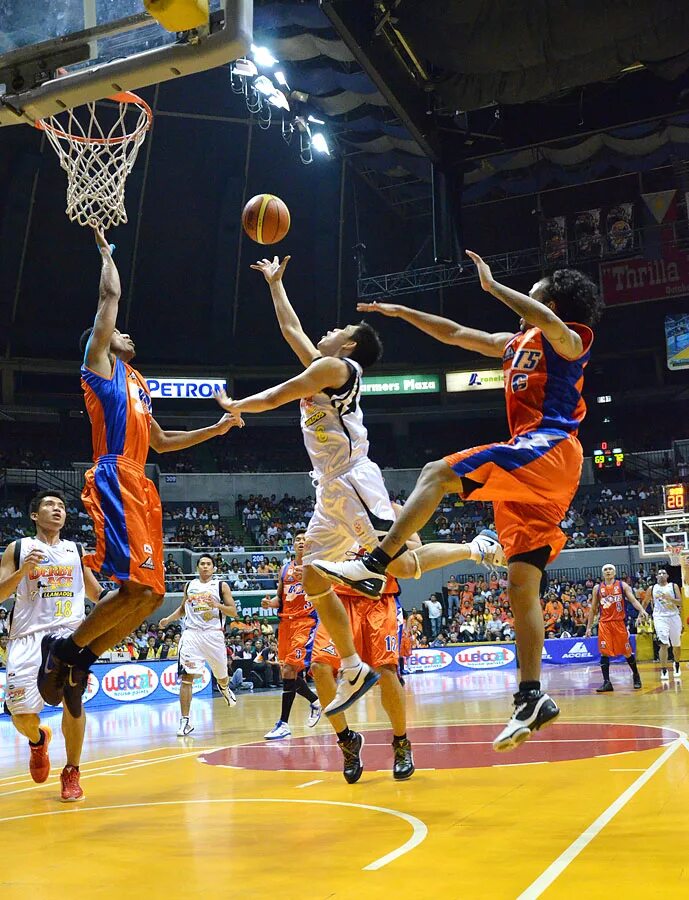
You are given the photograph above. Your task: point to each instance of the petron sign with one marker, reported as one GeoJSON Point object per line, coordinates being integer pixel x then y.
{"type": "Point", "coordinates": [173, 388]}
{"type": "Point", "coordinates": [478, 380]}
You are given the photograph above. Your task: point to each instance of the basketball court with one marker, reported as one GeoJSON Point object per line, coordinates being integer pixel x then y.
{"type": "Point", "coordinates": [607, 787]}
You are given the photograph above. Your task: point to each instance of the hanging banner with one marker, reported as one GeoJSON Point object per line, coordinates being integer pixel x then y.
{"type": "Point", "coordinates": [587, 236]}
{"type": "Point", "coordinates": [658, 216]}
{"type": "Point", "coordinates": [554, 241]}
{"type": "Point", "coordinates": [619, 228]}
{"type": "Point", "coordinates": [637, 280]}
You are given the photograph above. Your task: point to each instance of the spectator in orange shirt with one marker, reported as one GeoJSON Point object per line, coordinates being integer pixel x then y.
{"type": "Point", "coordinates": [452, 596]}
{"type": "Point", "coordinates": [467, 601]}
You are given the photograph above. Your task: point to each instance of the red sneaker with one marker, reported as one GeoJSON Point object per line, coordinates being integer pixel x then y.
{"type": "Point", "coordinates": [71, 789]}
{"type": "Point", "coordinates": [39, 763]}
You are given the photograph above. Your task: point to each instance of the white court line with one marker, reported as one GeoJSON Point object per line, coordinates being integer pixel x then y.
{"type": "Point", "coordinates": [536, 762]}
{"type": "Point", "coordinates": [310, 783]}
{"type": "Point", "coordinates": [419, 828]}
{"type": "Point", "coordinates": [557, 867]}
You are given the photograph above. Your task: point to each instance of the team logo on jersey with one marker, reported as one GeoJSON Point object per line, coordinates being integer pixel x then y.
{"type": "Point", "coordinates": [316, 417]}
{"type": "Point", "coordinates": [147, 563]}
{"type": "Point", "coordinates": [148, 549]}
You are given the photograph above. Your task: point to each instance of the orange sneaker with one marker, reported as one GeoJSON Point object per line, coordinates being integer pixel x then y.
{"type": "Point", "coordinates": [71, 789]}
{"type": "Point", "coordinates": [39, 763]}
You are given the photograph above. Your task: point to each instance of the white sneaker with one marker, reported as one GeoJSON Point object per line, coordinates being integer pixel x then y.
{"type": "Point", "coordinates": [664, 675]}
{"type": "Point", "coordinates": [228, 695]}
{"type": "Point", "coordinates": [315, 711]}
{"type": "Point", "coordinates": [533, 710]}
{"type": "Point", "coordinates": [353, 573]}
{"type": "Point", "coordinates": [486, 550]}
{"type": "Point", "coordinates": [677, 670]}
{"type": "Point", "coordinates": [279, 731]}
{"type": "Point", "coordinates": [184, 727]}
{"type": "Point", "coordinates": [351, 684]}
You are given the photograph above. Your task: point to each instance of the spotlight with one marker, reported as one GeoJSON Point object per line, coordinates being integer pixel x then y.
{"type": "Point", "coordinates": [244, 68]}
{"type": "Point", "coordinates": [264, 86]}
{"type": "Point", "coordinates": [319, 143]}
{"type": "Point", "coordinates": [280, 78]}
{"type": "Point", "coordinates": [277, 98]}
{"type": "Point", "coordinates": [315, 121]}
{"type": "Point", "coordinates": [263, 57]}
{"type": "Point", "coordinates": [299, 96]}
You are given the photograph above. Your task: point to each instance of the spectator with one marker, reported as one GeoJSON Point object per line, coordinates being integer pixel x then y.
{"type": "Point", "coordinates": [435, 614]}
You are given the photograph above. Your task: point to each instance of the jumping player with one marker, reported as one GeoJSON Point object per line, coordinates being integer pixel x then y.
{"type": "Point", "coordinates": [123, 504]}
{"type": "Point", "coordinates": [531, 479]}
{"type": "Point", "coordinates": [352, 504]}
{"type": "Point", "coordinates": [613, 637]}
{"type": "Point", "coordinates": [204, 606]}
{"type": "Point", "coordinates": [296, 637]}
{"type": "Point", "coordinates": [50, 580]}
{"type": "Point", "coordinates": [667, 621]}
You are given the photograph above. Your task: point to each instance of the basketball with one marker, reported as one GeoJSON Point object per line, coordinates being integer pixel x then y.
{"type": "Point", "coordinates": [266, 219]}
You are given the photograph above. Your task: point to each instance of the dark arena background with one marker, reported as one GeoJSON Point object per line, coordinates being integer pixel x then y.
{"type": "Point", "coordinates": [543, 136]}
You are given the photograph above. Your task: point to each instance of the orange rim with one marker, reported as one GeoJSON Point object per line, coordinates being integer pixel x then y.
{"type": "Point", "coordinates": [122, 97]}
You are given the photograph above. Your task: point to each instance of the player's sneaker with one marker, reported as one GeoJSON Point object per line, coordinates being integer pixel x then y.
{"type": "Point", "coordinates": [315, 711]}
{"type": "Point", "coordinates": [70, 789]}
{"type": "Point", "coordinates": [184, 727]}
{"type": "Point", "coordinates": [636, 681]}
{"type": "Point", "coordinates": [279, 731]}
{"type": "Point", "coordinates": [664, 676]}
{"type": "Point", "coordinates": [605, 688]}
{"type": "Point", "coordinates": [361, 574]}
{"type": "Point", "coordinates": [352, 684]}
{"type": "Point", "coordinates": [75, 685]}
{"type": "Point", "coordinates": [533, 710]}
{"type": "Point", "coordinates": [351, 751]}
{"type": "Point", "coordinates": [51, 673]}
{"type": "Point", "coordinates": [486, 550]}
{"type": "Point", "coordinates": [39, 761]}
{"type": "Point", "coordinates": [228, 695]}
{"type": "Point", "coordinates": [403, 766]}
{"type": "Point", "coordinates": [677, 671]}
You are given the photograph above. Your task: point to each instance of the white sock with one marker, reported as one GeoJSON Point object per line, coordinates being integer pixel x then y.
{"type": "Point", "coordinates": [351, 662]}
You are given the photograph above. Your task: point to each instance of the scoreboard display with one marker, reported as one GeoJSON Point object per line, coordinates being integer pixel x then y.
{"type": "Point", "coordinates": [675, 497]}
{"type": "Point", "coordinates": [608, 456]}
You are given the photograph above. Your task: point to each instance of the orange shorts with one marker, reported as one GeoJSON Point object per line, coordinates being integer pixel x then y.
{"type": "Point", "coordinates": [128, 520]}
{"type": "Point", "coordinates": [303, 641]}
{"type": "Point", "coordinates": [376, 627]}
{"type": "Point", "coordinates": [613, 639]}
{"type": "Point", "coordinates": [531, 480]}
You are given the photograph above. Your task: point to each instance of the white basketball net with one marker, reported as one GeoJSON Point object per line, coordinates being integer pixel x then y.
{"type": "Point", "coordinates": [98, 157]}
{"type": "Point", "coordinates": [675, 551]}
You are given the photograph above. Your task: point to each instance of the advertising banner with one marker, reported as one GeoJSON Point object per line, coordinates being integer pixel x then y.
{"type": "Point", "coordinates": [637, 280]}
{"type": "Point", "coordinates": [565, 651]}
{"type": "Point", "coordinates": [677, 341]}
{"type": "Point", "coordinates": [478, 380]}
{"type": "Point", "coordinates": [173, 388]}
{"type": "Point", "coordinates": [468, 657]}
{"type": "Point", "coordinates": [373, 385]}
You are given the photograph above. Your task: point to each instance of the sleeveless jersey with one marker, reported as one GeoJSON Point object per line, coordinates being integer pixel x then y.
{"type": "Point", "coordinates": [664, 603]}
{"type": "Point", "coordinates": [52, 596]}
{"type": "Point", "coordinates": [199, 615]}
{"type": "Point", "coordinates": [543, 389]}
{"type": "Point", "coordinates": [293, 604]}
{"type": "Point", "coordinates": [332, 424]}
{"type": "Point", "coordinates": [611, 599]}
{"type": "Point", "coordinates": [119, 408]}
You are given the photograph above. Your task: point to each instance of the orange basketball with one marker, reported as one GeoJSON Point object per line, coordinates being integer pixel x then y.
{"type": "Point", "coordinates": [266, 219]}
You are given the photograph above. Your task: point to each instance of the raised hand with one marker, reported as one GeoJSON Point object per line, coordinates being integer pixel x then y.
{"type": "Point", "coordinates": [227, 403]}
{"type": "Point", "coordinates": [33, 558]}
{"type": "Point", "coordinates": [272, 271]}
{"type": "Point", "coordinates": [228, 421]}
{"type": "Point", "coordinates": [386, 309]}
{"type": "Point", "coordinates": [484, 273]}
{"type": "Point", "coordinates": [99, 235]}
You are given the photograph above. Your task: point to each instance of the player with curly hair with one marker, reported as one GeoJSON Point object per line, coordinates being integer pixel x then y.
{"type": "Point", "coordinates": [531, 478]}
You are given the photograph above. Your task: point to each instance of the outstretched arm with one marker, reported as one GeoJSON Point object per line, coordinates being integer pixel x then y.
{"type": "Point", "coordinates": [325, 372]}
{"type": "Point", "coordinates": [288, 320]}
{"type": "Point", "coordinates": [167, 441]}
{"type": "Point", "coordinates": [97, 350]}
{"type": "Point", "coordinates": [566, 342]}
{"type": "Point", "coordinates": [444, 330]}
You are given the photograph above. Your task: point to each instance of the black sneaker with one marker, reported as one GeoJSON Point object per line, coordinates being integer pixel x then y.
{"type": "Point", "coordinates": [75, 685]}
{"type": "Point", "coordinates": [637, 682]}
{"type": "Point", "coordinates": [360, 574]}
{"type": "Point", "coordinates": [605, 688]}
{"type": "Point", "coordinates": [52, 673]}
{"type": "Point", "coordinates": [403, 766]}
{"type": "Point", "coordinates": [533, 710]}
{"type": "Point", "coordinates": [351, 750]}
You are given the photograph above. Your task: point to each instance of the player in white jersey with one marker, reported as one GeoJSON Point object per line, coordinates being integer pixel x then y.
{"type": "Point", "coordinates": [353, 508]}
{"type": "Point", "coordinates": [204, 606]}
{"type": "Point", "coordinates": [49, 581]}
{"type": "Point", "coordinates": [667, 621]}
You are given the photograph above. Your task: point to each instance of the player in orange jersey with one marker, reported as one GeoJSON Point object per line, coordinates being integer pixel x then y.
{"type": "Point", "coordinates": [613, 637]}
{"type": "Point", "coordinates": [531, 478]}
{"type": "Point", "coordinates": [296, 639]}
{"type": "Point", "coordinates": [123, 504]}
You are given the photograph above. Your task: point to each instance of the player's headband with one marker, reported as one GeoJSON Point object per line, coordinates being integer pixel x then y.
{"type": "Point", "coordinates": [609, 566]}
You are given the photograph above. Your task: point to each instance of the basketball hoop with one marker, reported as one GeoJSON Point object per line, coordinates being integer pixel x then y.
{"type": "Point", "coordinates": [675, 545]}
{"type": "Point", "coordinates": [98, 155]}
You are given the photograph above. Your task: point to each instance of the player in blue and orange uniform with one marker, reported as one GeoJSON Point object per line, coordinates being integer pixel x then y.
{"type": "Point", "coordinates": [613, 636]}
{"type": "Point", "coordinates": [123, 504]}
{"type": "Point", "coordinates": [531, 478]}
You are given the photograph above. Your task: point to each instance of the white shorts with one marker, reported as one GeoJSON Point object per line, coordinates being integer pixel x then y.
{"type": "Point", "coordinates": [197, 647]}
{"type": "Point", "coordinates": [668, 629]}
{"type": "Point", "coordinates": [23, 662]}
{"type": "Point", "coordinates": [352, 510]}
